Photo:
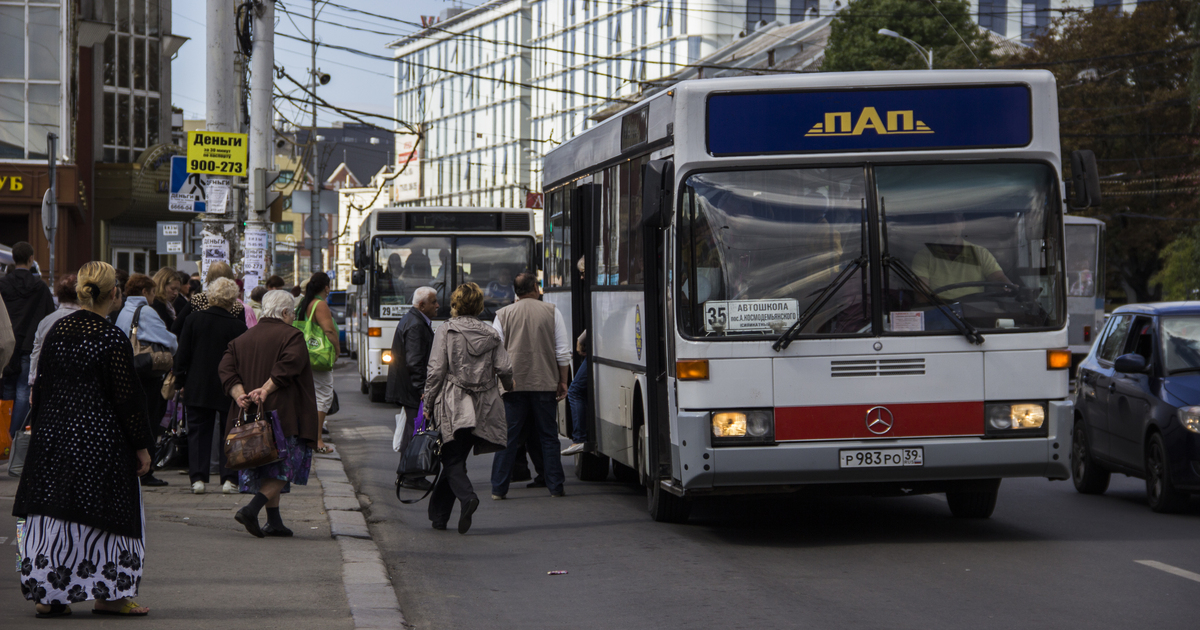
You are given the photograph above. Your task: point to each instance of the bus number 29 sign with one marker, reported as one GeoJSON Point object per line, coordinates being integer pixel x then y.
{"type": "Point", "coordinates": [217, 153]}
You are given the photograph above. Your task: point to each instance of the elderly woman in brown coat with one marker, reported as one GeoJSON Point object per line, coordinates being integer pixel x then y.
{"type": "Point", "coordinates": [463, 396]}
{"type": "Point", "coordinates": [268, 367]}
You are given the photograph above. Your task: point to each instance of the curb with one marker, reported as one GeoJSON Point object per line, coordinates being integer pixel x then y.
{"type": "Point", "coordinates": [369, 591]}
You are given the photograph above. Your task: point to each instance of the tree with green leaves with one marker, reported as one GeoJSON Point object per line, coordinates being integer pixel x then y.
{"type": "Point", "coordinates": [1180, 274]}
{"type": "Point", "coordinates": [1123, 92]}
{"type": "Point", "coordinates": [943, 25]}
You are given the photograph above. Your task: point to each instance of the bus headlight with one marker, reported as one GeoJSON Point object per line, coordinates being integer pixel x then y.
{"type": "Point", "coordinates": [386, 357]}
{"type": "Point", "coordinates": [1189, 417]}
{"type": "Point", "coordinates": [750, 426]}
{"type": "Point", "coordinates": [1014, 419]}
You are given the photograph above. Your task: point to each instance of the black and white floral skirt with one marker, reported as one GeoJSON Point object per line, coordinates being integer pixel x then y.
{"type": "Point", "coordinates": [64, 562]}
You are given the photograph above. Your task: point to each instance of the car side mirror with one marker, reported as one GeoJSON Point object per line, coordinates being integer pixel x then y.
{"type": "Point", "coordinates": [358, 278]}
{"type": "Point", "coordinates": [1131, 364]}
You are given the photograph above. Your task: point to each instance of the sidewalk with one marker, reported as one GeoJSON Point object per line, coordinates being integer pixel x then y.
{"type": "Point", "coordinates": [203, 570]}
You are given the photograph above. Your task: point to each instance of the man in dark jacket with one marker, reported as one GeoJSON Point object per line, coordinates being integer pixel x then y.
{"type": "Point", "coordinates": [410, 361]}
{"type": "Point", "coordinates": [28, 300]}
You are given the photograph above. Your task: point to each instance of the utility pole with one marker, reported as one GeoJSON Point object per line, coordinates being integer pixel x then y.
{"type": "Point", "coordinates": [262, 139]}
{"type": "Point", "coordinates": [314, 218]}
{"type": "Point", "coordinates": [221, 96]}
{"type": "Point", "coordinates": [50, 202]}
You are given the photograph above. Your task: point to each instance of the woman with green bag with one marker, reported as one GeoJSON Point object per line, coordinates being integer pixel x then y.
{"type": "Point", "coordinates": [314, 319]}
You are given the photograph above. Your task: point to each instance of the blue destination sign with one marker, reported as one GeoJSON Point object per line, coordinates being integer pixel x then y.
{"type": "Point", "coordinates": [869, 120]}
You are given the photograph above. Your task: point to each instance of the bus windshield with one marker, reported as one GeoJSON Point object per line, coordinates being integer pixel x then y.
{"type": "Point", "coordinates": [1082, 241]}
{"type": "Point", "coordinates": [405, 263]}
{"type": "Point", "coordinates": [758, 248]}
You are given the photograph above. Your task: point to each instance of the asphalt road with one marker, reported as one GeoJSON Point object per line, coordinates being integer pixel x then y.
{"type": "Point", "coordinates": [1048, 558]}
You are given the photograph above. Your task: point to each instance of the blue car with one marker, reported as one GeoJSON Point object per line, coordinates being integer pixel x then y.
{"type": "Point", "coordinates": [1137, 404]}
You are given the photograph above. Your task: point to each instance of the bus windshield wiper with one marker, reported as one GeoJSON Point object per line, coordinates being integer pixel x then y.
{"type": "Point", "coordinates": [830, 289]}
{"type": "Point", "coordinates": [906, 275]}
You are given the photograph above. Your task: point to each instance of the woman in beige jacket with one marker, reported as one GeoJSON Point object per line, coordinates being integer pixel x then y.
{"type": "Point", "coordinates": [462, 395]}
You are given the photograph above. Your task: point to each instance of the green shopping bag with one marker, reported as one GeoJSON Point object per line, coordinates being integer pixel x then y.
{"type": "Point", "coordinates": [320, 350]}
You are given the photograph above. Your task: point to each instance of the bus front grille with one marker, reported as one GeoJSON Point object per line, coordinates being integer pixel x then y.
{"type": "Point", "coordinates": [877, 367]}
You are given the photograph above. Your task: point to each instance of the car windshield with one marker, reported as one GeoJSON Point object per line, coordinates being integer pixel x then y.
{"type": "Point", "coordinates": [1181, 343]}
{"type": "Point", "coordinates": [758, 248]}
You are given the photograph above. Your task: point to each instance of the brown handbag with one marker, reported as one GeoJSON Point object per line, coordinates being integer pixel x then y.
{"type": "Point", "coordinates": [250, 444]}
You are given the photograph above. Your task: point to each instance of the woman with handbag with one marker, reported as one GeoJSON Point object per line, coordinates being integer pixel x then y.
{"type": "Point", "coordinates": [205, 336]}
{"type": "Point", "coordinates": [84, 535]}
{"type": "Point", "coordinates": [463, 397]}
{"type": "Point", "coordinates": [316, 321]}
{"type": "Point", "coordinates": [151, 331]}
{"type": "Point", "coordinates": [268, 368]}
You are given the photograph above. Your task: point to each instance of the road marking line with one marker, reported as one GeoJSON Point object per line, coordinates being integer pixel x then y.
{"type": "Point", "coordinates": [1195, 577]}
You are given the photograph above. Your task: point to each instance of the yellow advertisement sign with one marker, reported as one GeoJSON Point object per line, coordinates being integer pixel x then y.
{"type": "Point", "coordinates": [217, 153]}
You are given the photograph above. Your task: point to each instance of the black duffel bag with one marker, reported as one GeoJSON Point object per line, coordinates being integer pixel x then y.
{"type": "Point", "coordinates": [422, 457]}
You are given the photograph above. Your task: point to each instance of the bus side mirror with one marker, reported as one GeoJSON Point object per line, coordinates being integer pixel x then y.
{"type": "Point", "coordinates": [1085, 180]}
{"type": "Point", "coordinates": [359, 255]}
{"type": "Point", "coordinates": [658, 178]}
{"type": "Point", "coordinates": [358, 278]}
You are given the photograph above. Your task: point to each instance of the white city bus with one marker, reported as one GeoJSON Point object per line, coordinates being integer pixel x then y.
{"type": "Point", "coordinates": [401, 249]}
{"type": "Point", "coordinates": [834, 282]}
{"type": "Point", "coordinates": [1085, 284]}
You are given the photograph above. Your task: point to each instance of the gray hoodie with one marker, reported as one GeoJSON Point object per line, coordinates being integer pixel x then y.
{"type": "Point", "coordinates": [462, 388]}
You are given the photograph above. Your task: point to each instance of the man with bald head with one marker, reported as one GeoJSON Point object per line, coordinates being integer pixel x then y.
{"type": "Point", "coordinates": [410, 361]}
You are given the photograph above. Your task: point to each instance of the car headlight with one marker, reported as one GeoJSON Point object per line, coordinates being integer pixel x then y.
{"type": "Point", "coordinates": [750, 426]}
{"type": "Point", "coordinates": [1189, 417]}
{"type": "Point", "coordinates": [1011, 419]}
{"type": "Point", "coordinates": [386, 357]}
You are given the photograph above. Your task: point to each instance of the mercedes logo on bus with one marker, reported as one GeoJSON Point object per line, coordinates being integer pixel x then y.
{"type": "Point", "coordinates": [879, 420]}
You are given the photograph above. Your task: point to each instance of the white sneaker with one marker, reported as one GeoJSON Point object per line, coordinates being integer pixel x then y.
{"type": "Point", "coordinates": [574, 448]}
{"type": "Point", "coordinates": [229, 488]}
{"type": "Point", "coordinates": [197, 487]}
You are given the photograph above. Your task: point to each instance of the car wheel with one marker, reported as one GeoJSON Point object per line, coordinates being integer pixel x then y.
{"type": "Point", "coordinates": [377, 392]}
{"type": "Point", "coordinates": [1088, 476]}
{"type": "Point", "coordinates": [363, 386]}
{"type": "Point", "coordinates": [974, 502]}
{"type": "Point", "coordinates": [1160, 493]}
{"type": "Point", "coordinates": [665, 507]}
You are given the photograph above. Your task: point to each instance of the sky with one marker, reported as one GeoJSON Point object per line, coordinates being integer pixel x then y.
{"type": "Point", "coordinates": [356, 82]}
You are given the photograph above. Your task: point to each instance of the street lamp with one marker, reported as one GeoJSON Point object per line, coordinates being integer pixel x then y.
{"type": "Point", "coordinates": [925, 54]}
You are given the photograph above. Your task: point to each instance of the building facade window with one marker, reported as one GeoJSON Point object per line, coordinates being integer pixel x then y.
{"type": "Point", "coordinates": [31, 86]}
{"type": "Point", "coordinates": [132, 75]}
{"type": "Point", "coordinates": [759, 11]}
{"type": "Point", "coordinates": [993, 15]}
{"type": "Point", "coordinates": [810, 9]}
{"type": "Point", "coordinates": [1035, 18]}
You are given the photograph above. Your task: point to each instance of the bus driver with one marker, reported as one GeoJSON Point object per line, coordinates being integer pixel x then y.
{"type": "Point", "coordinates": [954, 260]}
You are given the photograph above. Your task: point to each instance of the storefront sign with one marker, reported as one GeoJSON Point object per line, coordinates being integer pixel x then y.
{"type": "Point", "coordinates": [218, 153]}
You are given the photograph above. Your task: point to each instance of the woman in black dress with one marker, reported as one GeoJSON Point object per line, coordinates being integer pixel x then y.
{"type": "Point", "coordinates": [79, 493]}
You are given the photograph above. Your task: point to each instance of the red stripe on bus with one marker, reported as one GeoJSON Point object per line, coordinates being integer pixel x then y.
{"type": "Point", "coordinates": [850, 421]}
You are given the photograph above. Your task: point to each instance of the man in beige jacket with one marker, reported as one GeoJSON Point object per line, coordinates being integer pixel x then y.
{"type": "Point", "coordinates": [537, 341]}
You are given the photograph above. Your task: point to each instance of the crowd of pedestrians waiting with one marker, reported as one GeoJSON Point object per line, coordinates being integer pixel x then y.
{"type": "Point", "coordinates": [81, 372]}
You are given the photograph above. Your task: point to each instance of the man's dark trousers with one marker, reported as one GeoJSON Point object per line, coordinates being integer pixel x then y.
{"type": "Point", "coordinates": [538, 409]}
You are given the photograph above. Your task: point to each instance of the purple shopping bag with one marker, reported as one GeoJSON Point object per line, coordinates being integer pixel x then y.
{"type": "Point", "coordinates": [419, 421]}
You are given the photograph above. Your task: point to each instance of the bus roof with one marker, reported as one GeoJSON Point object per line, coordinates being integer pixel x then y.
{"type": "Point", "coordinates": [976, 114]}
